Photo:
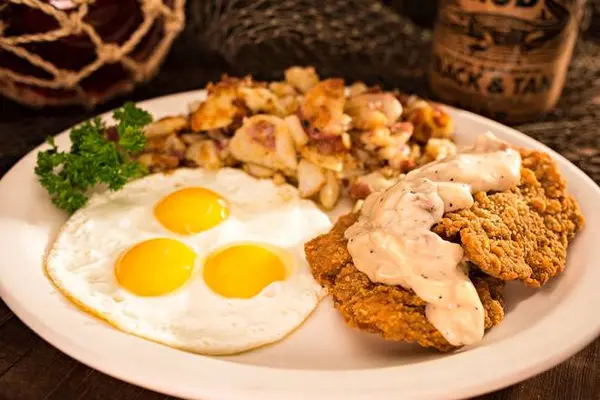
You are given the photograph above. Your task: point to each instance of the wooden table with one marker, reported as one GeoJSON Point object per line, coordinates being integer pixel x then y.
{"type": "Point", "coordinates": [31, 369]}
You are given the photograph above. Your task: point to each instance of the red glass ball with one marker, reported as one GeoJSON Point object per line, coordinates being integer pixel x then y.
{"type": "Point", "coordinates": [68, 62]}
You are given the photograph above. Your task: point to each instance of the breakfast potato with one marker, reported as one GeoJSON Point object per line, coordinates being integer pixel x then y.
{"type": "Point", "coordinates": [204, 153]}
{"type": "Point", "coordinates": [323, 109]}
{"type": "Point", "coordinates": [330, 193]}
{"type": "Point", "coordinates": [373, 110]}
{"type": "Point", "coordinates": [302, 79]}
{"type": "Point", "coordinates": [264, 140]}
{"type": "Point", "coordinates": [311, 178]}
{"type": "Point", "coordinates": [301, 129]}
{"type": "Point", "coordinates": [166, 126]}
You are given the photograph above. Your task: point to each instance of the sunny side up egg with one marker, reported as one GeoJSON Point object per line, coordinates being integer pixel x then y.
{"type": "Point", "coordinates": [207, 261]}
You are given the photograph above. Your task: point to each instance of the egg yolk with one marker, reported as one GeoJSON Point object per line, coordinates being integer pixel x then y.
{"type": "Point", "coordinates": [191, 210]}
{"type": "Point", "coordinates": [155, 267]}
{"type": "Point", "coordinates": [242, 271]}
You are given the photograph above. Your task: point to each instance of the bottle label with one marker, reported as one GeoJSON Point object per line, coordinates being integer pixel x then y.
{"type": "Point", "coordinates": [504, 58]}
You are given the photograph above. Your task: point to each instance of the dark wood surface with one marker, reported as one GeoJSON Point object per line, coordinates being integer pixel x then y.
{"type": "Point", "coordinates": [31, 369]}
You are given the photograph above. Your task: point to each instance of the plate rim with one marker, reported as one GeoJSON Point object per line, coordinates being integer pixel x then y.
{"type": "Point", "coordinates": [474, 388]}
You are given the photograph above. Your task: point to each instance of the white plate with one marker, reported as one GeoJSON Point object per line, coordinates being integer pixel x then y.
{"type": "Point", "coordinates": [324, 359]}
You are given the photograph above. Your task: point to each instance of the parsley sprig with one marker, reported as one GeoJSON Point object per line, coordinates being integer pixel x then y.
{"type": "Point", "coordinates": [94, 159]}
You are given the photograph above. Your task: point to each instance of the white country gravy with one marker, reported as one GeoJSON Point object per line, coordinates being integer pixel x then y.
{"type": "Point", "coordinates": [392, 241]}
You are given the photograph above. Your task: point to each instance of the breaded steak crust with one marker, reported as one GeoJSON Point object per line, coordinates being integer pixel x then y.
{"type": "Point", "coordinates": [393, 312]}
{"type": "Point", "coordinates": [521, 233]}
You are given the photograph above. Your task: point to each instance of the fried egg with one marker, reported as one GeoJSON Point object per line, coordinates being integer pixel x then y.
{"type": "Point", "coordinates": [206, 261]}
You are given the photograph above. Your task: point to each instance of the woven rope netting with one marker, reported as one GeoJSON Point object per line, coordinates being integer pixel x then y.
{"type": "Point", "coordinates": [52, 84]}
{"type": "Point", "coordinates": [353, 37]}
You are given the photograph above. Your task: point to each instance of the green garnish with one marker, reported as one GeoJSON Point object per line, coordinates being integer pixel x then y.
{"type": "Point", "coordinates": [94, 159]}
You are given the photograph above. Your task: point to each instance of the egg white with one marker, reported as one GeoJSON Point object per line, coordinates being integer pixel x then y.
{"type": "Point", "coordinates": [81, 262]}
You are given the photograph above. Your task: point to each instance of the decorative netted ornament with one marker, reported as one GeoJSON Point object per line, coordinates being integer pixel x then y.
{"type": "Point", "coordinates": [58, 52]}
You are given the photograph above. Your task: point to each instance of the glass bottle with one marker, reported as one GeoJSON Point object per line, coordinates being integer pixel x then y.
{"type": "Point", "coordinates": [506, 59]}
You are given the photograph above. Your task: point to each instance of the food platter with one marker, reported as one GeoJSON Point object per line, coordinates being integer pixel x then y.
{"type": "Point", "coordinates": [323, 359]}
